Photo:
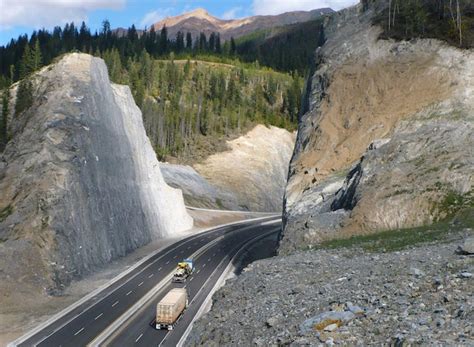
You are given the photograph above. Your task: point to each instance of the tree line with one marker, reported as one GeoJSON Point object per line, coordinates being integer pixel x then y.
{"type": "Point", "coordinates": [448, 20]}
{"type": "Point", "coordinates": [47, 45]}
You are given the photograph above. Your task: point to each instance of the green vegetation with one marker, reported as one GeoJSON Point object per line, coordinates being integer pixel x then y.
{"type": "Point", "coordinates": [4, 120]}
{"type": "Point", "coordinates": [459, 212]}
{"type": "Point", "coordinates": [286, 48]}
{"type": "Point", "coordinates": [185, 103]}
{"type": "Point", "coordinates": [454, 202]}
{"type": "Point", "coordinates": [4, 213]}
{"type": "Point", "coordinates": [451, 21]}
{"type": "Point", "coordinates": [24, 96]}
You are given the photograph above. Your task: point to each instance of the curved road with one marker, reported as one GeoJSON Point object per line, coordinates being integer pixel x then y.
{"type": "Point", "coordinates": [212, 251]}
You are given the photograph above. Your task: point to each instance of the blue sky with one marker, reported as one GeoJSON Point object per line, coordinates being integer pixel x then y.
{"type": "Point", "coordinates": [23, 16]}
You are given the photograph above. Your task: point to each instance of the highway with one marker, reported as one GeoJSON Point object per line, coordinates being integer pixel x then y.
{"type": "Point", "coordinates": [88, 322]}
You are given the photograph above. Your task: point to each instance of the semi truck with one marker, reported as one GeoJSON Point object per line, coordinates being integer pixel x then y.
{"type": "Point", "coordinates": [183, 271]}
{"type": "Point", "coordinates": [170, 308]}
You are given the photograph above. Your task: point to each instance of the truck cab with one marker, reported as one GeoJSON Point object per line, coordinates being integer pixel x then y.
{"type": "Point", "coordinates": [183, 271]}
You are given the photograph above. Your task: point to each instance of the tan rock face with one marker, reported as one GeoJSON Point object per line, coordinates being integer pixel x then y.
{"type": "Point", "coordinates": [418, 96]}
{"type": "Point", "coordinates": [254, 169]}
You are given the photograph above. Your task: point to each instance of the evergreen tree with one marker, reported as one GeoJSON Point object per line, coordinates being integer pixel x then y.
{"type": "Point", "coordinates": [164, 40]}
{"type": "Point", "coordinates": [212, 42]}
{"type": "Point", "coordinates": [189, 41]}
{"type": "Point", "coordinates": [202, 42]}
{"type": "Point", "coordinates": [36, 57]}
{"type": "Point", "coordinates": [27, 65]}
{"type": "Point", "coordinates": [233, 47]}
{"type": "Point", "coordinates": [179, 42]}
{"type": "Point", "coordinates": [4, 123]}
{"type": "Point", "coordinates": [218, 44]}
{"type": "Point", "coordinates": [24, 96]}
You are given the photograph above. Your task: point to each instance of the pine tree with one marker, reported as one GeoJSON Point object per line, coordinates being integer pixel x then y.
{"type": "Point", "coordinates": [24, 96]}
{"type": "Point", "coordinates": [164, 40]}
{"type": "Point", "coordinates": [4, 123]}
{"type": "Point", "coordinates": [218, 44]}
{"type": "Point", "coordinates": [36, 56]}
{"type": "Point", "coordinates": [179, 41]}
{"type": "Point", "coordinates": [233, 47]}
{"type": "Point", "coordinates": [189, 41]}
{"type": "Point", "coordinates": [27, 62]}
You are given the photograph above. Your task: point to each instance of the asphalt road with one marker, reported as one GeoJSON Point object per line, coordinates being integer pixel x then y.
{"type": "Point", "coordinates": [139, 330]}
{"type": "Point", "coordinates": [80, 326]}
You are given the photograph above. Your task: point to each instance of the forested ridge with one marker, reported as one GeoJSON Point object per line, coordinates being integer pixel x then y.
{"type": "Point", "coordinates": [190, 107]}
{"type": "Point", "coordinates": [193, 93]}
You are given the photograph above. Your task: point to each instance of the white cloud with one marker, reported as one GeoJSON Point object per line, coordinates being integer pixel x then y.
{"type": "Point", "coordinates": [266, 7]}
{"type": "Point", "coordinates": [232, 13]}
{"type": "Point", "coordinates": [155, 16]}
{"type": "Point", "coordinates": [46, 13]}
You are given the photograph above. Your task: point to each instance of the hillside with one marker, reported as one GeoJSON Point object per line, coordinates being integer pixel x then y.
{"type": "Point", "coordinates": [200, 21]}
{"type": "Point", "coordinates": [190, 108]}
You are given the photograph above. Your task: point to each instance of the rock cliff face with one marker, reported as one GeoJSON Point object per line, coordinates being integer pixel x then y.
{"type": "Point", "coordinates": [405, 108]}
{"type": "Point", "coordinates": [80, 183]}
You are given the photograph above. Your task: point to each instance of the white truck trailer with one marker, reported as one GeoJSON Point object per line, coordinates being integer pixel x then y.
{"type": "Point", "coordinates": [170, 308]}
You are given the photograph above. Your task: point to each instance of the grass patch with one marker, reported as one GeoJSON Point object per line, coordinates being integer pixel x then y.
{"type": "Point", "coordinates": [395, 240]}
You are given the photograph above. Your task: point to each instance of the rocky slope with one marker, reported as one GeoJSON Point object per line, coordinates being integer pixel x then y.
{"type": "Point", "coordinates": [386, 138]}
{"type": "Point", "coordinates": [200, 20]}
{"type": "Point", "coordinates": [80, 183]}
{"type": "Point", "coordinates": [197, 191]}
{"type": "Point", "coordinates": [254, 170]}
{"type": "Point", "coordinates": [419, 296]}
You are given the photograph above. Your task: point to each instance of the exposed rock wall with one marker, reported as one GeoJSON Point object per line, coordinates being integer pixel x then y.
{"type": "Point", "coordinates": [80, 183]}
{"type": "Point", "coordinates": [417, 96]}
{"type": "Point", "coordinates": [197, 191]}
{"type": "Point", "coordinates": [255, 168]}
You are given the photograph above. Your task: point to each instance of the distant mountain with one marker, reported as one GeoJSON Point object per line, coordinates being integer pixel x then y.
{"type": "Point", "coordinates": [200, 20]}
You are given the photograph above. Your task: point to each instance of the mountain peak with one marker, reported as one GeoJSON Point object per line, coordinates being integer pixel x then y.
{"type": "Point", "coordinates": [199, 13]}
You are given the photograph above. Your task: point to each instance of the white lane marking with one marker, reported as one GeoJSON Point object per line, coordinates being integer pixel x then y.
{"type": "Point", "coordinates": [100, 315]}
{"type": "Point", "coordinates": [198, 271]}
{"type": "Point", "coordinates": [175, 257]}
{"type": "Point", "coordinates": [189, 247]}
{"type": "Point", "coordinates": [159, 269]}
{"type": "Point", "coordinates": [191, 279]}
{"type": "Point", "coordinates": [204, 265]}
{"type": "Point", "coordinates": [139, 337]}
{"type": "Point", "coordinates": [208, 259]}
{"type": "Point", "coordinates": [214, 255]}
{"type": "Point", "coordinates": [167, 262]}
{"type": "Point", "coordinates": [79, 331]}
{"type": "Point", "coordinates": [130, 292]}
{"type": "Point", "coordinates": [140, 284]}
{"type": "Point", "coordinates": [115, 303]}
{"type": "Point", "coordinates": [150, 276]}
